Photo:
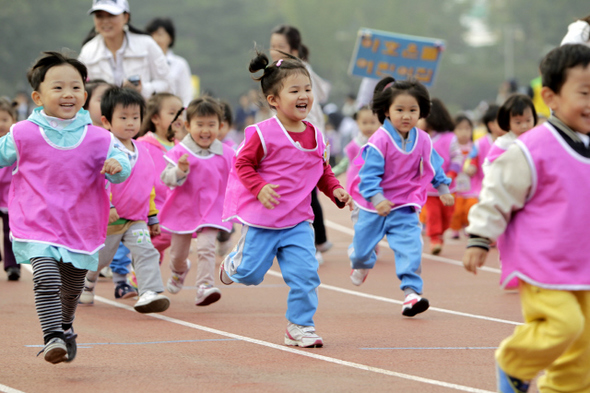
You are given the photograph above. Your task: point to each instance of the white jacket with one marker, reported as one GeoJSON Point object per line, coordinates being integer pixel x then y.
{"type": "Point", "coordinates": [142, 57]}
{"type": "Point", "coordinates": [180, 77]}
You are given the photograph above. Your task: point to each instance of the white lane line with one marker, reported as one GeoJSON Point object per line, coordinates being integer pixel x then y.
{"type": "Point", "coordinates": [388, 300]}
{"type": "Point", "coordinates": [383, 243]}
{"type": "Point", "coordinates": [299, 352]}
{"type": "Point", "coordinates": [8, 389]}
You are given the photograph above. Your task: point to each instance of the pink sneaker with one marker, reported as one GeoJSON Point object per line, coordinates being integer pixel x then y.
{"type": "Point", "coordinates": [414, 304]}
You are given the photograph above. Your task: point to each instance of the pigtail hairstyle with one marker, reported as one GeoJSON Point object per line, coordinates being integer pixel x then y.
{"type": "Point", "coordinates": [388, 89]}
{"type": "Point", "coordinates": [271, 81]}
{"type": "Point", "coordinates": [514, 105]}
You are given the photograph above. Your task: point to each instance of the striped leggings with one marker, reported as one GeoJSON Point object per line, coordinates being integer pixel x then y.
{"type": "Point", "coordinates": [57, 287]}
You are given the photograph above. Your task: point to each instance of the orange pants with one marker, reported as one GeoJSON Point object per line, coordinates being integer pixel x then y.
{"type": "Point", "coordinates": [462, 206]}
{"type": "Point", "coordinates": [438, 219]}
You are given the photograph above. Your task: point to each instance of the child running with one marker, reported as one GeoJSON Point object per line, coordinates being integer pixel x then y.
{"type": "Point", "coordinates": [399, 165]}
{"type": "Point", "coordinates": [7, 119]}
{"type": "Point", "coordinates": [157, 130]}
{"type": "Point", "coordinates": [197, 173]}
{"type": "Point", "coordinates": [133, 209]}
{"type": "Point", "coordinates": [536, 194]}
{"type": "Point", "coordinates": [465, 195]}
{"type": "Point", "coordinates": [439, 125]}
{"type": "Point", "coordinates": [279, 163]}
{"type": "Point", "coordinates": [367, 123]}
{"type": "Point", "coordinates": [516, 116]}
{"type": "Point", "coordinates": [58, 204]}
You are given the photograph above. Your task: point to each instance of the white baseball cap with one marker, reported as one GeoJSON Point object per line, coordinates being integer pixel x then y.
{"type": "Point", "coordinates": [113, 7]}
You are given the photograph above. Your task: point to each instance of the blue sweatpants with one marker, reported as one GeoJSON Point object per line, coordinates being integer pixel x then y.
{"type": "Point", "coordinates": [294, 248]}
{"type": "Point", "coordinates": [121, 261]}
{"type": "Point", "coordinates": [403, 231]}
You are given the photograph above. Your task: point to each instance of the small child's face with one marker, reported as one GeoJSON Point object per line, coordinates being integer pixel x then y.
{"type": "Point", "coordinates": [61, 94]}
{"type": "Point", "coordinates": [295, 98]}
{"type": "Point", "coordinates": [223, 130]}
{"type": "Point", "coordinates": [495, 129]}
{"type": "Point", "coordinates": [367, 122]}
{"type": "Point", "coordinates": [463, 132]}
{"type": "Point", "coordinates": [519, 124]}
{"type": "Point", "coordinates": [168, 110]}
{"type": "Point", "coordinates": [94, 104]}
{"type": "Point", "coordinates": [404, 113]}
{"type": "Point", "coordinates": [6, 121]}
{"type": "Point", "coordinates": [204, 130]}
{"type": "Point", "coordinates": [125, 122]}
{"type": "Point", "coordinates": [572, 104]}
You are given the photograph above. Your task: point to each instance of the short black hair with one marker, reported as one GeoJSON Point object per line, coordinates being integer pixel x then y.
{"type": "Point", "coordinates": [166, 24]}
{"type": "Point", "coordinates": [123, 96]}
{"type": "Point", "coordinates": [556, 63]}
{"type": "Point", "coordinates": [388, 89]}
{"type": "Point", "coordinates": [228, 116]}
{"type": "Point", "coordinates": [36, 74]}
{"type": "Point", "coordinates": [439, 119]}
{"type": "Point", "coordinates": [490, 115]}
{"type": "Point", "coordinates": [204, 106]}
{"type": "Point", "coordinates": [515, 105]}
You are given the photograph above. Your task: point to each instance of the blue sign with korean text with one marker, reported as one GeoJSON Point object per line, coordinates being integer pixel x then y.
{"type": "Point", "coordinates": [379, 53]}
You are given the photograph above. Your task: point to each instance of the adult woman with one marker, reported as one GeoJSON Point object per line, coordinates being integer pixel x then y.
{"type": "Point", "coordinates": [121, 54]}
{"type": "Point", "coordinates": [163, 32]}
{"type": "Point", "coordinates": [287, 39]}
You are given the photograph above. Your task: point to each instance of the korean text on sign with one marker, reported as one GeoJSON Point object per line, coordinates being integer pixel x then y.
{"type": "Point", "coordinates": [378, 54]}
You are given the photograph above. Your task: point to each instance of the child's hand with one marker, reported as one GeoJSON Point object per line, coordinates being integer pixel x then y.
{"type": "Point", "coordinates": [473, 258]}
{"type": "Point", "coordinates": [470, 170]}
{"type": "Point", "coordinates": [344, 197]}
{"type": "Point", "coordinates": [111, 166]}
{"type": "Point", "coordinates": [183, 164]}
{"type": "Point", "coordinates": [447, 199]}
{"type": "Point", "coordinates": [267, 196]}
{"type": "Point", "coordinates": [155, 230]}
{"type": "Point", "coordinates": [384, 207]}
{"type": "Point", "coordinates": [113, 215]}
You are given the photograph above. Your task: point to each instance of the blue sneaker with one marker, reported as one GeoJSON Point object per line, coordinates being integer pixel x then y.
{"type": "Point", "coordinates": [508, 384]}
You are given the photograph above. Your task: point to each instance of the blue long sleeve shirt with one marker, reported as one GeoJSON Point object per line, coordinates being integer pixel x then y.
{"type": "Point", "coordinates": [371, 173]}
{"type": "Point", "coordinates": [63, 134]}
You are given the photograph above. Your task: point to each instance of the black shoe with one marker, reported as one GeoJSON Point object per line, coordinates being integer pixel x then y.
{"type": "Point", "coordinates": [71, 346]}
{"type": "Point", "coordinates": [124, 291]}
{"type": "Point", "coordinates": [13, 273]}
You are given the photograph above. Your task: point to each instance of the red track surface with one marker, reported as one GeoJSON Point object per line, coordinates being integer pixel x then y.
{"type": "Point", "coordinates": [237, 343]}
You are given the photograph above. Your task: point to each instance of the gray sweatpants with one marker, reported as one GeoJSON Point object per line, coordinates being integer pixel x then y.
{"type": "Point", "coordinates": [144, 257]}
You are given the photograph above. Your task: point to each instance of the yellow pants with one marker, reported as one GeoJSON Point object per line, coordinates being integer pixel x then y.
{"type": "Point", "coordinates": [554, 338]}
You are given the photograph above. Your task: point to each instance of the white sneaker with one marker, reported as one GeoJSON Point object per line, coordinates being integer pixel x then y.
{"type": "Point", "coordinates": [358, 276]}
{"type": "Point", "coordinates": [106, 272]}
{"type": "Point", "coordinates": [150, 302]}
{"type": "Point", "coordinates": [302, 336]}
{"type": "Point", "coordinates": [319, 257]}
{"type": "Point", "coordinates": [223, 276]}
{"type": "Point", "coordinates": [176, 280]}
{"type": "Point", "coordinates": [55, 351]}
{"type": "Point", "coordinates": [207, 294]}
{"type": "Point", "coordinates": [414, 304]}
{"type": "Point", "coordinates": [87, 296]}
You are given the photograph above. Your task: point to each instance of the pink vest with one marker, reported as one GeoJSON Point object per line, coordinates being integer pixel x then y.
{"type": "Point", "coordinates": [132, 197]}
{"type": "Point", "coordinates": [5, 179]}
{"type": "Point", "coordinates": [441, 142]}
{"type": "Point", "coordinates": [157, 152]}
{"type": "Point", "coordinates": [229, 143]}
{"type": "Point", "coordinates": [494, 152]}
{"type": "Point", "coordinates": [407, 175]}
{"type": "Point", "coordinates": [198, 202]}
{"type": "Point", "coordinates": [57, 195]}
{"type": "Point", "coordinates": [545, 242]}
{"type": "Point", "coordinates": [352, 151]}
{"type": "Point", "coordinates": [483, 147]}
{"type": "Point", "coordinates": [296, 170]}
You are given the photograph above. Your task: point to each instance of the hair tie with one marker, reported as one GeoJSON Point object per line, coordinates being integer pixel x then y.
{"type": "Point", "coordinates": [387, 86]}
{"type": "Point", "coordinates": [279, 62]}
